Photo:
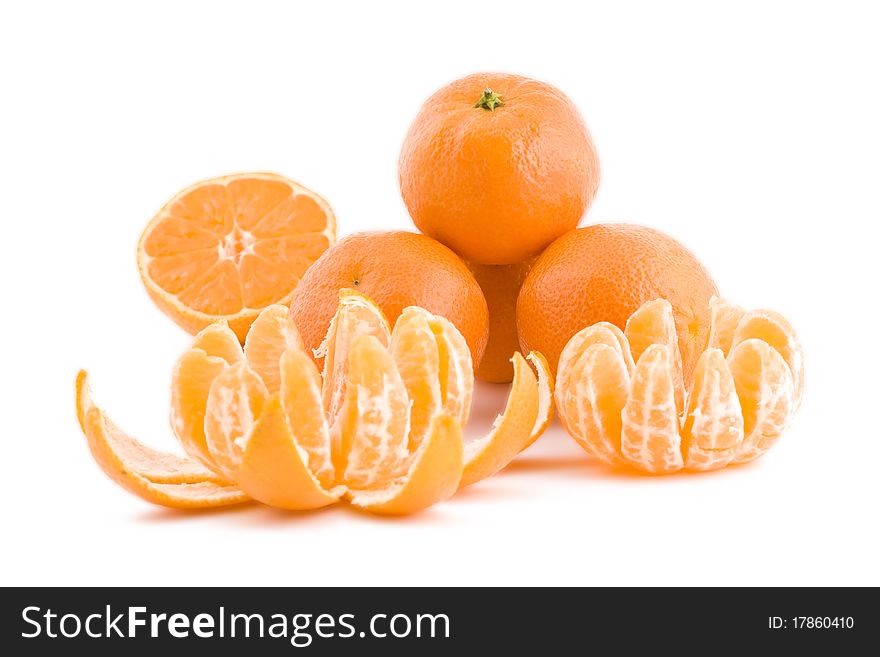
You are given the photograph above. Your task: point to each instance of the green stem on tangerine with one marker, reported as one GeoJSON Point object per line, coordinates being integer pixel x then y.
{"type": "Point", "coordinates": [489, 100]}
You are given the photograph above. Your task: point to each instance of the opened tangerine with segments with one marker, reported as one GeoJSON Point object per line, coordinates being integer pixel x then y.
{"type": "Point", "coordinates": [228, 247]}
{"type": "Point", "coordinates": [381, 427]}
{"type": "Point", "coordinates": [620, 396]}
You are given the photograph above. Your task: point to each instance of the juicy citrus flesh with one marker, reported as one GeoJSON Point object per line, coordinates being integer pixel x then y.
{"type": "Point", "coordinates": [355, 315]}
{"type": "Point", "coordinates": [618, 393]}
{"type": "Point", "coordinates": [654, 323]}
{"type": "Point", "coordinates": [271, 334]}
{"type": "Point", "coordinates": [230, 246]}
{"type": "Point", "coordinates": [712, 432]}
{"type": "Point", "coordinates": [373, 446]}
{"type": "Point", "coordinates": [382, 427]}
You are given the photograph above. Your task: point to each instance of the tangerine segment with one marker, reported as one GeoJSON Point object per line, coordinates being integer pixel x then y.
{"type": "Point", "coordinates": [456, 368]}
{"type": "Point", "coordinates": [355, 315]}
{"type": "Point", "coordinates": [219, 340]}
{"type": "Point", "coordinates": [191, 381]}
{"type": "Point", "coordinates": [650, 438]}
{"type": "Point", "coordinates": [415, 352]}
{"type": "Point", "coordinates": [235, 401]}
{"type": "Point", "coordinates": [654, 323]}
{"type": "Point", "coordinates": [270, 335]}
{"type": "Point", "coordinates": [302, 405]}
{"type": "Point", "coordinates": [512, 431]}
{"type": "Point", "coordinates": [713, 426]}
{"type": "Point", "coordinates": [372, 446]}
{"type": "Point", "coordinates": [545, 394]}
{"type": "Point", "coordinates": [152, 475]}
{"type": "Point", "coordinates": [723, 319]}
{"type": "Point", "coordinates": [766, 392]}
{"type": "Point", "coordinates": [273, 467]}
{"type": "Point", "coordinates": [591, 401]}
{"type": "Point", "coordinates": [433, 476]}
{"type": "Point", "coordinates": [229, 246]}
{"type": "Point", "coordinates": [599, 333]}
{"type": "Point", "coordinates": [775, 330]}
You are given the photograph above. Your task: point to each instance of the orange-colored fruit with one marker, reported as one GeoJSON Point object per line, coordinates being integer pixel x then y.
{"type": "Point", "coordinates": [500, 285]}
{"type": "Point", "coordinates": [766, 393]}
{"type": "Point", "coordinates": [731, 325]}
{"type": "Point", "coordinates": [383, 430]}
{"type": "Point", "coordinates": [497, 166]}
{"type": "Point", "coordinates": [271, 334]}
{"type": "Point", "coordinates": [724, 317]}
{"type": "Point", "coordinates": [650, 433]}
{"type": "Point", "coordinates": [604, 273]}
{"type": "Point", "coordinates": [591, 392]}
{"type": "Point", "coordinates": [273, 470]}
{"type": "Point", "coordinates": [355, 315]}
{"type": "Point", "coordinates": [373, 447]}
{"type": "Point", "coordinates": [654, 323]}
{"type": "Point", "coordinates": [228, 247]}
{"type": "Point", "coordinates": [395, 269]}
{"type": "Point", "coordinates": [775, 330]}
{"type": "Point", "coordinates": [630, 415]}
{"type": "Point", "coordinates": [435, 366]}
{"type": "Point", "coordinates": [713, 428]}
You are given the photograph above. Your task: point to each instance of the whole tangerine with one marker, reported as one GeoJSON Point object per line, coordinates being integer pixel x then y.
{"type": "Point", "coordinates": [396, 269]}
{"type": "Point", "coordinates": [497, 166]}
{"type": "Point", "coordinates": [605, 273]}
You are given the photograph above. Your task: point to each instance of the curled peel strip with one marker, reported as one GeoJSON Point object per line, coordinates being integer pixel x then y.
{"type": "Point", "coordinates": [155, 476]}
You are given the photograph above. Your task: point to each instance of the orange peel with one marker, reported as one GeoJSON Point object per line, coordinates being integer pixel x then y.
{"type": "Point", "coordinates": [512, 430]}
{"type": "Point", "coordinates": [155, 476]}
{"type": "Point", "coordinates": [545, 395]}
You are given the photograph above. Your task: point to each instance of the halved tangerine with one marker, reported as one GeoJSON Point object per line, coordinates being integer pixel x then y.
{"type": "Point", "coordinates": [228, 247]}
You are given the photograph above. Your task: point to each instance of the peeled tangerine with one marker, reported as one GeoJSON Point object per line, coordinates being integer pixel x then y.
{"type": "Point", "coordinates": [381, 427]}
{"type": "Point", "coordinates": [620, 394]}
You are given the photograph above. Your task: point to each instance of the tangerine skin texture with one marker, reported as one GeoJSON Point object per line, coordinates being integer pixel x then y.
{"type": "Point", "coordinates": [498, 186]}
{"type": "Point", "coordinates": [396, 269]}
{"type": "Point", "coordinates": [605, 273]}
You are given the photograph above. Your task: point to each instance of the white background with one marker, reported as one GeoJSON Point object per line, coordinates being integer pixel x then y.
{"type": "Point", "coordinates": [749, 133]}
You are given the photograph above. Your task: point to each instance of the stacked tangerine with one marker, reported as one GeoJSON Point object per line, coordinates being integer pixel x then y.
{"type": "Point", "coordinates": [325, 401]}
{"type": "Point", "coordinates": [381, 427]}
